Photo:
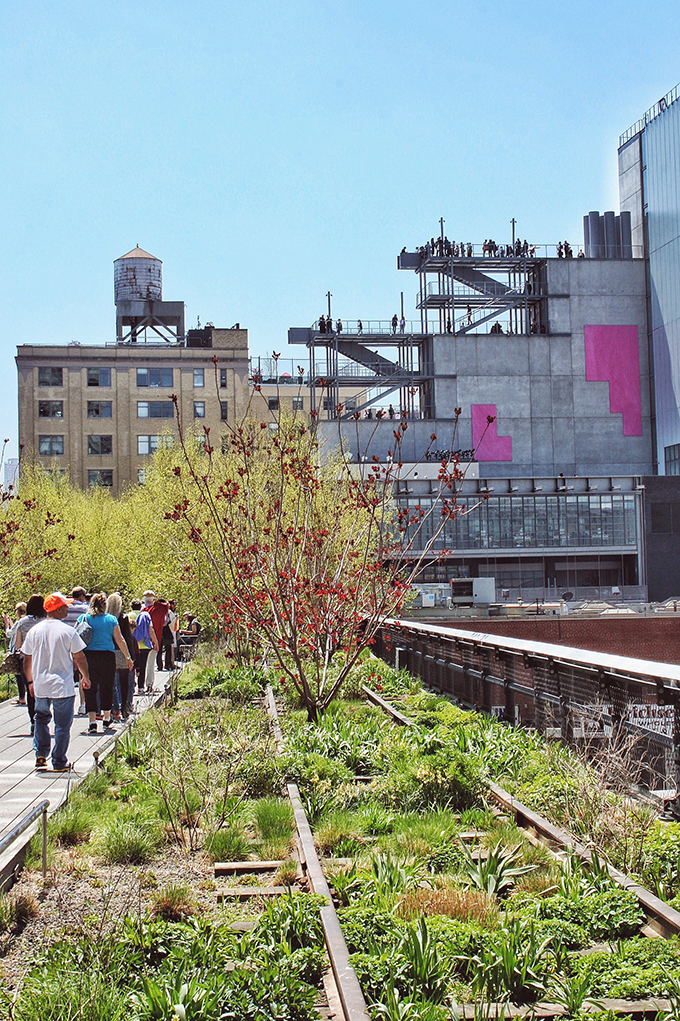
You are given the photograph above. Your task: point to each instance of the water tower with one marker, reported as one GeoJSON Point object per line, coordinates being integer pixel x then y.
{"type": "Point", "coordinates": [141, 313]}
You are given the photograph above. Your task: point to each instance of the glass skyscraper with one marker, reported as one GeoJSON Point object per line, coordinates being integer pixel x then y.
{"type": "Point", "coordinates": [649, 185]}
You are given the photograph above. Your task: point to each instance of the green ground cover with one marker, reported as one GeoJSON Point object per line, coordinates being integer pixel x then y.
{"type": "Point", "coordinates": [136, 930]}
{"type": "Point", "coordinates": [444, 899]}
{"type": "Point", "coordinates": [441, 897]}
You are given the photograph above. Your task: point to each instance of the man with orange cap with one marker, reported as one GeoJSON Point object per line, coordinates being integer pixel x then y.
{"type": "Point", "coordinates": [51, 650]}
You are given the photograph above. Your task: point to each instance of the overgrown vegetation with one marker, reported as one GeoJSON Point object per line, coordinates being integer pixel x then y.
{"type": "Point", "coordinates": [441, 897]}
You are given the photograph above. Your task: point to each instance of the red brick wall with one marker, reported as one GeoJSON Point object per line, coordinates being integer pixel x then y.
{"type": "Point", "coordinates": [655, 638]}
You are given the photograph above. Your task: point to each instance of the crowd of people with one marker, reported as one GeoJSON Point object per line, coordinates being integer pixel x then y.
{"type": "Point", "coordinates": [86, 644]}
{"type": "Point", "coordinates": [442, 247]}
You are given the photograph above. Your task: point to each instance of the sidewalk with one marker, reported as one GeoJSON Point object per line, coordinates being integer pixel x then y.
{"type": "Point", "coordinates": [21, 786]}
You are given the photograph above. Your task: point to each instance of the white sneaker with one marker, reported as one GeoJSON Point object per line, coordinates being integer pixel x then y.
{"type": "Point", "coordinates": [82, 711]}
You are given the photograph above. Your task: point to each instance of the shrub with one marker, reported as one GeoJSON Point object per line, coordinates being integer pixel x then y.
{"type": "Point", "coordinates": [227, 844]}
{"type": "Point", "coordinates": [610, 914]}
{"type": "Point", "coordinates": [636, 970]}
{"type": "Point", "coordinates": [447, 779]}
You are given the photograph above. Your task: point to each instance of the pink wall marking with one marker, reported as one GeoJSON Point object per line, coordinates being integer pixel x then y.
{"type": "Point", "coordinates": [488, 445]}
{"type": "Point", "coordinates": [613, 356]}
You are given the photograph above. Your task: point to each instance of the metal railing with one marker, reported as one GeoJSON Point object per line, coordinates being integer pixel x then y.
{"type": "Point", "coordinates": [651, 114]}
{"type": "Point", "coordinates": [370, 327]}
{"type": "Point", "coordinates": [576, 695]}
{"type": "Point", "coordinates": [542, 251]}
{"type": "Point", "coordinates": [23, 825]}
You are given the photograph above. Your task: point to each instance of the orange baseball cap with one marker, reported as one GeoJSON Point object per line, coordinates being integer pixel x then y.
{"type": "Point", "coordinates": [54, 601]}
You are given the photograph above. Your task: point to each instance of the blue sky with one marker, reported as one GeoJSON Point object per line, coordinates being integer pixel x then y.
{"type": "Point", "coordinates": [268, 152]}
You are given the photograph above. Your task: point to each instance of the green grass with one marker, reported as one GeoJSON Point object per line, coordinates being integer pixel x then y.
{"type": "Point", "coordinates": [130, 841]}
{"type": "Point", "coordinates": [228, 844]}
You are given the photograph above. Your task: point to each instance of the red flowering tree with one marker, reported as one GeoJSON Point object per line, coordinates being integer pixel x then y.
{"type": "Point", "coordinates": [305, 555]}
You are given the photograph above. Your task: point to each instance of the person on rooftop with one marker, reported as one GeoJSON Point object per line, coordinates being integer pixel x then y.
{"type": "Point", "coordinates": [360, 327]}
{"type": "Point", "coordinates": [395, 323]}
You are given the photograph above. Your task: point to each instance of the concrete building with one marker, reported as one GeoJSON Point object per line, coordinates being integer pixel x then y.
{"type": "Point", "coordinates": [99, 412]}
{"type": "Point", "coordinates": [555, 351]}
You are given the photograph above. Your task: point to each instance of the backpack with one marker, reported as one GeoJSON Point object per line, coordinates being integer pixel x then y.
{"type": "Point", "coordinates": [141, 629]}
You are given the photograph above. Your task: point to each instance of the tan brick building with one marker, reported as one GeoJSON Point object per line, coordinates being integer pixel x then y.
{"type": "Point", "coordinates": [100, 412]}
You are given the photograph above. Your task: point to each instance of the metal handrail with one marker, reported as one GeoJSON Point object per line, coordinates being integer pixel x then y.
{"type": "Point", "coordinates": [23, 825]}
{"type": "Point", "coordinates": [651, 114]}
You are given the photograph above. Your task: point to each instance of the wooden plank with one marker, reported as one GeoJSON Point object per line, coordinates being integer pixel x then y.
{"type": "Point", "coordinates": [248, 892]}
{"type": "Point", "coordinates": [375, 698]}
{"type": "Point", "coordinates": [230, 868]}
{"type": "Point", "coordinates": [632, 1008]}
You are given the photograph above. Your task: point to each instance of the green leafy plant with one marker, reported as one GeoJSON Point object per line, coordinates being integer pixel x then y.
{"type": "Point", "coordinates": [498, 872]}
{"type": "Point", "coordinates": [512, 966]}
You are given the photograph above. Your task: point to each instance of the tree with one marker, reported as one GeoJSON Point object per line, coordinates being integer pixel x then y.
{"type": "Point", "coordinates": [305, 555]}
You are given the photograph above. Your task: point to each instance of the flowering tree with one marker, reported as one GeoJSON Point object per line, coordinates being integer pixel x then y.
{"type": "Point", "coordinates": [306, 555]}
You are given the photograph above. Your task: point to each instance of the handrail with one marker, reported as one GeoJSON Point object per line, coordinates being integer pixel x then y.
{"type": "Point", "coordinates": [23, 825]}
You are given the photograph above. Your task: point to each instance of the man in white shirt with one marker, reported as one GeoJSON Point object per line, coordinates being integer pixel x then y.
{"type": "Point", "coordinates": [51, 649]}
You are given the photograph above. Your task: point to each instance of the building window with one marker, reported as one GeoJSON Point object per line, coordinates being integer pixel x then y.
{"type": "Point", "coordinates": [100, 444]}
{"type": "Point", "coordinates": [154, 377]}
{"type": "Point", "coordinates": [224, 411]}
{"type": "Point", "coordinates": [150, 444]}
{"type": "Point", "coordinates": [99, 409]}
{"type": "Point", "coordinates": [155, 409]}
{"type": "Point", "coordinates": [96, 477]}
{"type": "Point", "coordinates": [328, 404]}
{"type": "Point", "coordinates": [199, 409]}
{"type": "Point", "coordinates": [48, 376]}
{"type": "Point", "coordinates": [51, 446]}
{"type": "Point", "coordinates": [50, 409]}
{"type": "Point", "coordinates": [199, 378]}
{"type": "Point", "coordinates": [298, 404]}
{"type": "Point", "coordinates": [223, 377]}
{"type": "Point", "coordinates": [99, 377]}
{"type": "Point", "coordinates": [273, 403]}
{"type": "Point", "coordinates": [672, 458]}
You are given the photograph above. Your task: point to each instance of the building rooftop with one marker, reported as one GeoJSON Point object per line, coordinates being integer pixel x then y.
{"type": "Point", "coordinates": [138, 253]}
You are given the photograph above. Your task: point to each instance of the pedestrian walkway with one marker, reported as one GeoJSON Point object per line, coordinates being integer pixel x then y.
{"type": "Point", "coordinates": [22, 787]}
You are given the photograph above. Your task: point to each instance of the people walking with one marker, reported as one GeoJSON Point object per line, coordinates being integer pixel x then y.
{"type": "Point", "coordinates": [360, 327]}
{"type": "Point", "coordinates": [35, 612]}
{"type": "Point", "coordinates": [124, 672]}
{"type": "Point", "coordinates": [11, 633]}
{"type": "Point", "coordinates": [188, 635]}
{"type": "Point", "coordinates": [51, 650]}
{"type": "Point", "coordinates": [101, 660]}
{"type": "Point", "coordinates": [78, 605]}
{"type": "Point", "coordinates": [145, 637]}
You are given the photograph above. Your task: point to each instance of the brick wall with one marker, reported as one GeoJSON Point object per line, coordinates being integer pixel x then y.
{"type": "Point", "coordinates": [655, 638]}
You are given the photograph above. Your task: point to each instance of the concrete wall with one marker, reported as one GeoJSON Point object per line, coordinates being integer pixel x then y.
{"type": "Point", "coordinates": [558, 420]}
{"type": "Point", "coordinates": [630, 189]}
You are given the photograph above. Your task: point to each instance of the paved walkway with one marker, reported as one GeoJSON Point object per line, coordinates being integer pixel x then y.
{"type": "Point", "coordinates": [21, 786]}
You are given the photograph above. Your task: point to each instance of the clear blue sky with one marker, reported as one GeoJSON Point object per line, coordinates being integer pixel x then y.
{"type": "Point", "coordinates": [269, 151]}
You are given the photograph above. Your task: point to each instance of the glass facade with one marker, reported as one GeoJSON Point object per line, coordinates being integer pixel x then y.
{"type": "Point", "coordinates": [660, 144]}
{"type": "Point", "coordinates": [672, 459]}
{"type": "Point", "coordinates": [557, 521]}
